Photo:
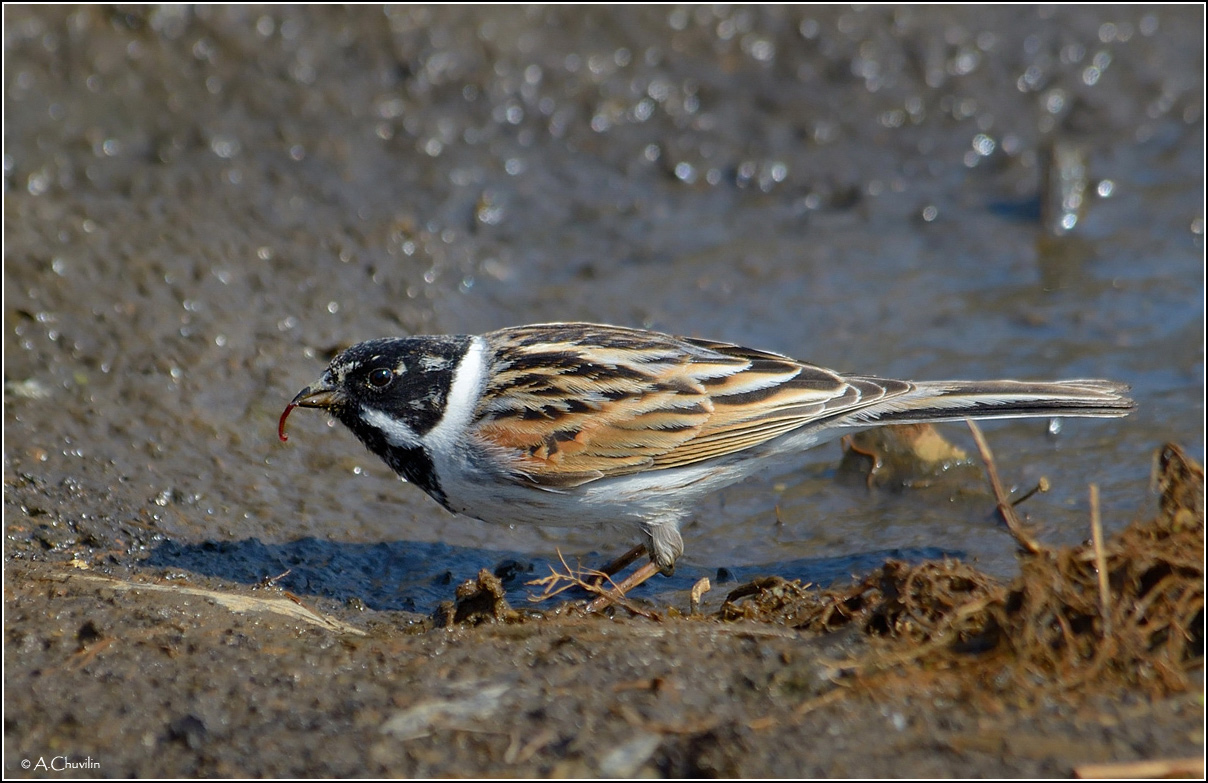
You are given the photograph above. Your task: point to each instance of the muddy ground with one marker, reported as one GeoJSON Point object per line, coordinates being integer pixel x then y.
{"type": "Point", "coordinates": [930, 670]}
{"type": "Point", "coordinates": [201, 205]}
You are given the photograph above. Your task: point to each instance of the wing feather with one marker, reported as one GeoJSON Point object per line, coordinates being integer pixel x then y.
{"type": "Point", "coordinates": [578, 402]}
{"type": "Point", "coordinates": [572, 403]}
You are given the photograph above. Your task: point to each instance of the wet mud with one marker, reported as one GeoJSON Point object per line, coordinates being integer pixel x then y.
{"type": "Point", "coordinates": [957, 673]}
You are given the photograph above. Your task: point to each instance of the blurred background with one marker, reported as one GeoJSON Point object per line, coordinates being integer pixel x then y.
{"type": "Point", "coordinates": [202, 203]}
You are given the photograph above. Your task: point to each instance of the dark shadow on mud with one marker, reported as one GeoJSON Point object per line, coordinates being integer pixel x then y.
{"type": "Point", "coordinates": [401, 575]}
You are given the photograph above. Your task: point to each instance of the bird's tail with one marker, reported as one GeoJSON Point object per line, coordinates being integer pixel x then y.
{"type": "Point", "coordinates": [955, 400]}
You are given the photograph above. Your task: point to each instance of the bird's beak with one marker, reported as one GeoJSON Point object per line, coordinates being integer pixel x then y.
{"type": "Point", "coordinates": [320, 394]}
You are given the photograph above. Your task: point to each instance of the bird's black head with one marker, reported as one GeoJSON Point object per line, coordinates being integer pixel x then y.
{"type": "Point", "coordinates": [390, 393]}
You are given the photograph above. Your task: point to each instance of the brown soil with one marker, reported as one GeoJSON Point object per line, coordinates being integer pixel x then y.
{"type": "Point", "coordinates": [934, 669]}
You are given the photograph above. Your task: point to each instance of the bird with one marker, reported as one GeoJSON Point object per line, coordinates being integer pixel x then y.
{"type": "Point", "coordinates": [591, 424]}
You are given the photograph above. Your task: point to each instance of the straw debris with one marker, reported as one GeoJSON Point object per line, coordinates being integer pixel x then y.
{"type": "Point", "coordinates": [1051, 627]}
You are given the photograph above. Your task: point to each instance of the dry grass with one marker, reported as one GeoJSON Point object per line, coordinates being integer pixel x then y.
{"type": "Point", "coordinates": [1129, 611]}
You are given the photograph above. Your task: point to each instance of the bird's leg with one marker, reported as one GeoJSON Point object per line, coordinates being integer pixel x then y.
{"type": "Point", "coordinates": [619, 590]}
{"type": "Point", "coordinates": [664, 546]}
{"type": "Point", "coordinates": [622, 562]}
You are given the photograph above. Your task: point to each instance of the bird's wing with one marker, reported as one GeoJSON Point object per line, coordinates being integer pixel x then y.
{"type": "Point", "coordinates": [577, 402]}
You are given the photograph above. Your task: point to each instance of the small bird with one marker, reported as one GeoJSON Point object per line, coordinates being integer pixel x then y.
{"type": "Point", "coordinates": [589, 424]}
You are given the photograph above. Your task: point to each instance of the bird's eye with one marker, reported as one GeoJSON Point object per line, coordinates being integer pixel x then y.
{"type": "Point", "coordinates": [380, 378]}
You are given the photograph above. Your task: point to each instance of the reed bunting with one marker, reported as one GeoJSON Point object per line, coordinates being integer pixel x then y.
{"type": "Point", "coordinates": [583, 424]}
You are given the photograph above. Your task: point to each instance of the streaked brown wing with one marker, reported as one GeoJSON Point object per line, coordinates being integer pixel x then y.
{"type": "Point", "coordinates": [580, 402]}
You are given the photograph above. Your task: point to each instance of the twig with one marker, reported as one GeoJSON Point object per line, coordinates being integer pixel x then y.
{"type": "Point", "coordinates": [576, 579]}
{"type": "Point", "coordinates": [801, 710]}
{"type": "Point", "coordinates": [571, 579]}
{"type": "Point", "coordinates": [1041, 486]}
{"type": "Point", "coordinates": [518, 754]}
{"type": "Point", "coordinates": [1004, 504]}
{"type": "Point", "coordinates": [614, 567]}
{"type": "Point", "coordinates": [1100, 562]}
{"type": "Point", "coordinates": [85, 656]}
{"type": "Point", "coordinates": [292, 609]}
{"type": "Point", "coordinates": [271, 581]}
{"type": "Point", "coordinates": [1149, 768]}
{"type": "Point", "coordinates": [617, 594]}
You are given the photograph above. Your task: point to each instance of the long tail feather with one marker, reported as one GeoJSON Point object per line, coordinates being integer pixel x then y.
{"type": "Point", "coordinates": [956, 400]}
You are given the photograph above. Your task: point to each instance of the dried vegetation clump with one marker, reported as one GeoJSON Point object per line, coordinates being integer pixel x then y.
{"type": "Point", "coordinates": [1125, 611]}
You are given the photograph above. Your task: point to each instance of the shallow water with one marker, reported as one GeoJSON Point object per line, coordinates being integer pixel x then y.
{"type": "Point", "coordinates": [201, 205]}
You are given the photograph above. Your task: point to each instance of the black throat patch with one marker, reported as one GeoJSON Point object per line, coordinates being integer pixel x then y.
{"type": "Point", "coordinates": [416, 466]}
{"type": "Point", "coordinates": [412, 463]}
